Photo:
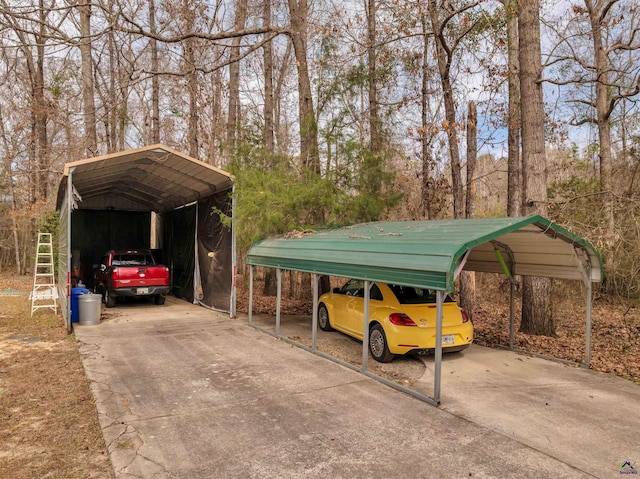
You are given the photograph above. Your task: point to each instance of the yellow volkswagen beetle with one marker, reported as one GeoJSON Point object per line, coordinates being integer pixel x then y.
{"type": "Point", "coordinates": [402, 319]}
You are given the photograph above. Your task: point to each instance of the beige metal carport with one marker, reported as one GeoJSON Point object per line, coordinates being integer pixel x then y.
{"type": "Point", "coordinates": [155, 178]}
{"type": "Point", "coordinates": [431, 254]}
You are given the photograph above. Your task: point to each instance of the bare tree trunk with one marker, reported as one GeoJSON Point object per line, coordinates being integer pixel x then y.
{"type": "Point", "coordinates": [277, 97]}
{"type": "Point", "coordinates": [309, 155]}
{"type": "Point", "coordinates": [427, 182]}
{"type": "Point", "coordinates": [305, 291]}
{"type": "Point", "coordinates": [375, 133]}
{"type": "Point", "coordinates": [192, 87]}
{"type": "Point", "coordinates": [113, 93]}
{"type": "Point", "coordinates": [155, 79]}
{"type": "Point", "coordinates": [472, 155]}
{"type": "Point", "coordinates": [192, 80]}
{"type": "Point", "coordinates": [324, 284]}
{"type": "Point", "coordinates": [329, 163]}
{"type": "Point", "coordinates": [38, 142]}
{"type": "Point", "coordinates": [468, 278]}
{"type": "Point", "coordinates": [123, 109]}
{"type": "Point", "coordinates": [293, 284]}
{"type": "Point", "coordinates": [603, 111]}
{"type": "Point", "coordinates": [14, 223]}
{"type": "Point", "coordinates": [217, 123]}
{"type": "Point", "coordinates": [41, 108]}
{"type": "Point", "coordinates": [534, 171]}
{"type": "Point", "coordinates": [443, 54]}
{"type": "Point", "coordinates": [32, 147]}
{"type": "Point", "coordinates": [513, 116]}
{"type": "Point", "coordinates": [12, 192]}
{"type": "Point", "coordinates": [268, 83]}
{"type": "Point", "coordinates": [270, 282]}
{"type": "Point", "coordinates": [88, 99]}
{"type": "Point", "coordinates": [537, 314]}
{"type": "Point", "coordinates": [111, 115]}
{"type": "Point", "coordinates": [234, 77]}
{"type": "Point", "coordinates": [425, 137]}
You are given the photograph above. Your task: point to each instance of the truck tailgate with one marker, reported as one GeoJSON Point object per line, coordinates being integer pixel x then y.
{"type": "Point", "coordinates": [132, 276]}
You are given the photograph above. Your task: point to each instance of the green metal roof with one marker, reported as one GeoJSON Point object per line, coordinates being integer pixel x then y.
{"type": "Point", "coordinates": [430, 253]}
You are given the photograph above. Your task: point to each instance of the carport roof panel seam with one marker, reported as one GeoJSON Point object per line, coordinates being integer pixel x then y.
{"type": "Point", "coordinates": [433, 247]}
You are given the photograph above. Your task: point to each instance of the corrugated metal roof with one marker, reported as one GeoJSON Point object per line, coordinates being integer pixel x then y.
{"type": "Point", "coordinates": [429, 253]}
{"type": "Point", "coordinates": [153, 178]}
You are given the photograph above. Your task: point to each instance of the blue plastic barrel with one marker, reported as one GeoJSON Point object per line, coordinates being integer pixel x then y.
{"type": "Point", "coordinates": [75, 292]}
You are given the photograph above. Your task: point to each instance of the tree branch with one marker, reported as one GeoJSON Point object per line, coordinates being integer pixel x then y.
{"type": "Point", "coordinates": [605, 10]}
{"type": "Point", "coordinates": [244, 54]}
{"type": "Point", "coordinates": [138, 30]}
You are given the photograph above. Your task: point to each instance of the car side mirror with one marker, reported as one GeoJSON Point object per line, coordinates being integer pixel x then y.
{"type": "Point", "coordinates": [337, 290]}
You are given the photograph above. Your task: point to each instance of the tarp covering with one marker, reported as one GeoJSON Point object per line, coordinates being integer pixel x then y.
{"type": "Point", "coordinates": [214, 252]}
{"type": "Point", "coordinates": [180, 233]}
{"type": "Point", "coordinates": [94, 232]}
{"type": "Point", "coordinates": [197, 231]}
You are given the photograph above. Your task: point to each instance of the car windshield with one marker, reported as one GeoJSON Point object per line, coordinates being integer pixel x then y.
{"type": "Point", "coordinates": [413, 295]}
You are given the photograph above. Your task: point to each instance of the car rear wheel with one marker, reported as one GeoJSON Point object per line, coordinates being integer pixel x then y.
{"type": "Point", "coordinates": [159, 299]}
{"type": "Point", "coordinates": [109, 299]}
{"type": "Point", "coordinates": [378, 345]}
{"type": "Point", "coordinates": [323, 318]}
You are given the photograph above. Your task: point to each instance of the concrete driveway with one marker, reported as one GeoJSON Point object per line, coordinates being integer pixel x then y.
{"type": "Point", "coordinates": [184, 392]}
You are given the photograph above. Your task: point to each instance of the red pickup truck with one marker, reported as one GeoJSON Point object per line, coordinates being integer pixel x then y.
{"type": "Point", "coordinates": [131, 273]}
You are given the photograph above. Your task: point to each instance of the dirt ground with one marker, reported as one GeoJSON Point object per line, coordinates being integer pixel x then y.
{"type": "Point", "coordinates": [49, 421]}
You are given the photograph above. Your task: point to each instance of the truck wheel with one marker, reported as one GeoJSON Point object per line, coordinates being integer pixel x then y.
{"type": "Point", "coordinates": [159, 299]}
{"type": "Point", "coordinates": [109, 300]}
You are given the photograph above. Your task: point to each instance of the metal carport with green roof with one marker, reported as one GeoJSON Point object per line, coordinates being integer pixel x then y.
{"type": "Point", "coordinates": [431, 254]}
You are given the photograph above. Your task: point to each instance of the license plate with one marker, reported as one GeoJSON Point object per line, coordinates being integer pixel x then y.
{"type": "Point", "coordinates": [146, 291]}
{"type": "Point", "coordinates": [447, 339]}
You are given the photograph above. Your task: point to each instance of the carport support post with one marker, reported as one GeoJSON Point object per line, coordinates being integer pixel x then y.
{"type": "Point", "coordinates": [314, 315]}
{"type": "Point", "coordinates": [585, 269]}
{"type": "Point", "coordinates": [234, 253]}
{"type": "Point", "coordinates": [278, 300]}
{"type": "Point", "coordinates": [251, 294]}
{"type": "Point", "coordinates": [512, 326]}
{"type": "Point", "coordinates": [438, 354]}
{"type": "Point", "coordinates": [365, 326]}
{"type": "Point", "coordinates": [68, 252]}
{"type": "Point", "coordinates": [587, 360]}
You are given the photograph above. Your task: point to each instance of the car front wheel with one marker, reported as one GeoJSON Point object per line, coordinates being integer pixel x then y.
{"type": "Point", "coordinates": [323, 318]}
{"type": "Point", "coordinates": [378, 345]}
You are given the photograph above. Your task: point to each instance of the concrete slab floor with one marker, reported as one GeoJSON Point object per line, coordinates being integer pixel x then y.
{"type": "Point", "coordinates": [184, 392]}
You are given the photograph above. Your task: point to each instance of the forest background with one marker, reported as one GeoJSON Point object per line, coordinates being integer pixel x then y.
{"type": "Point", "coordinates": [332, 112]}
